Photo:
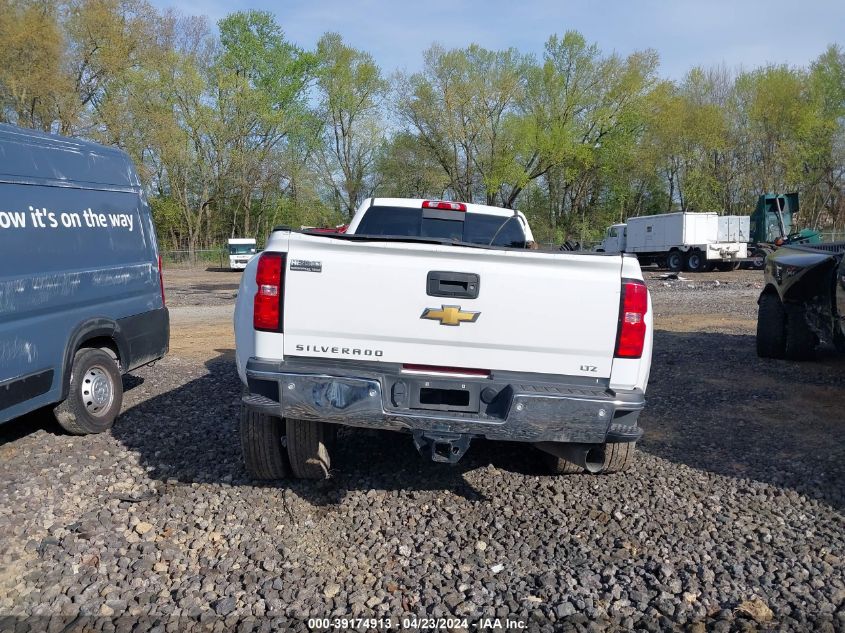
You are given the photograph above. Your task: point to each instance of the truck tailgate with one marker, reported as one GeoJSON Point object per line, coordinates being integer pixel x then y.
{"type": "Point", "coordinates": [551, 313]}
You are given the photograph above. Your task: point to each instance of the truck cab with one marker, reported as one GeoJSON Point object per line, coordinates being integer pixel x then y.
{"type": "Point", "coordinates": [241, 250]}
{"type": "Point", "coordinates": [614, 239]}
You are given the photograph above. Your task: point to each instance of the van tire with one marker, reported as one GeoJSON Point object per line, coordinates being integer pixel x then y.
{"type": "Point", "coordinates": [262, 445]}
{"type": "Point", "coordinates": [771, 327]}
{"type": "Point", "coordinates": [801, 341]}
{"type": "Point", "coordinates": [95, 394]}
{"type": "Point", "coordinates": [309, 445]}
{"type": "Point", "coordinates": [675, 261]}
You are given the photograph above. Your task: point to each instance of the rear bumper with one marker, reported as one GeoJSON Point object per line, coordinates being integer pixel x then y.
{"type": "Point", "coordinates": [726, 251]}
{"type": "Point", "coordinates": [510, 406]}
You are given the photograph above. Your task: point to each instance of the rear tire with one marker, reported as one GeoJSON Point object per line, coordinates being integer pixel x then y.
{"type": "Point", "coordinates": [801, 341]}
{"type": "Point", "coordinates": [262, 438]}
{"type": "Point", "coordinates": [618, 457]}
{"type": "Point", "coordinates": [95, 394]}
{"type": "Point", "coordinates": [675, 261]}
{"type": "Point", "coordinates": [771, 327]}
{"type": "Point", "coordinates": [694, 261]}
{"type": "Point", "coordinates": [309, 446]}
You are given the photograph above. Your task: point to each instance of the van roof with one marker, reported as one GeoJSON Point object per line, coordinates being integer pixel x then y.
{"type": "Point", "coordinates": [29, 155]}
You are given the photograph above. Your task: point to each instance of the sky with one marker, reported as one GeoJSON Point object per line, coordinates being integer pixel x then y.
{"type": "Point", "coordinates": [686, 33]}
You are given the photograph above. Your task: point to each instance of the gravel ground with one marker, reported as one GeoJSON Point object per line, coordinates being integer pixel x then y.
{"type": "Point", "coordinates": [730, 520]}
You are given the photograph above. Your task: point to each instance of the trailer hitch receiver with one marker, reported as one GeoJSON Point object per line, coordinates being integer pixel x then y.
{"type": "Point", "coordinates": [442, 447]}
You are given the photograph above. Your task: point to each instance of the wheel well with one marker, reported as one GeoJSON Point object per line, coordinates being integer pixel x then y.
{"type": "Point", "coordinates": [104, 343]}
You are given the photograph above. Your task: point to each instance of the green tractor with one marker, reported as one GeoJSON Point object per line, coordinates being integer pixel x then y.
{"type": "Point", "coordinates": [771, 226]}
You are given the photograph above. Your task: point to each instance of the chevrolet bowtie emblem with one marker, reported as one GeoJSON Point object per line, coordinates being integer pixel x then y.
{"type": "Point", "coordinates": [450, 315]}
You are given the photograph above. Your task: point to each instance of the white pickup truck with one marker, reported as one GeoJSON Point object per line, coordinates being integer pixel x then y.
{"type": "Point", "coordinates": [437, 319]}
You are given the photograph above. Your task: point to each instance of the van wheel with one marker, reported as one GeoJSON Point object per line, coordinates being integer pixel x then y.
{"type": "Point", "coordinates": [309, 446]}
{"type": "Point", "coordinates": [262, 438]}
{"type": "Point", "coordinates": [800, 341]}
{"type": "Point", "coordinates": [695, 262]}
{"type": "Point", "coordinates": [95, 394]}
{"type": "Point", "coordinates": [675, 261]}
{"type": "Point", "coordinates": [771, 327]}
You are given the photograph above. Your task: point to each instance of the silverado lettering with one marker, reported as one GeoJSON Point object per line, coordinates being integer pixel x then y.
{"type": "Point", "coordinates": [346, 351]}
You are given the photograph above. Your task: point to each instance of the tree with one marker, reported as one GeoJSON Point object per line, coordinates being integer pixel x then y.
{"type": "Point", "coordinates": [460, 105]}
{"type": "Point", "coordinates": [34, 88]}
{"type": "Point", "coordinates": [351, 91]}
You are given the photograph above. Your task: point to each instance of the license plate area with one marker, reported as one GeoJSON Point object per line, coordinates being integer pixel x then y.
{"type": "Point", "coordinates": [445, 395]}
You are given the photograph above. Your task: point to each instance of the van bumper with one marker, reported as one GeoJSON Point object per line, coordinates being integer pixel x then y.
{"type": "Point", "coordinates": [508, 406]}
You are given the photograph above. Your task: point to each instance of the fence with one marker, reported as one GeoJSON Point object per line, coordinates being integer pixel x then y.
{"type": "Point", "coordinates": [217, 257]}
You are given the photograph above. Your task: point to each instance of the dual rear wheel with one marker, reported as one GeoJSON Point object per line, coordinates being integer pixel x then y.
{"type": "Point", "coordinates": [275, 449]}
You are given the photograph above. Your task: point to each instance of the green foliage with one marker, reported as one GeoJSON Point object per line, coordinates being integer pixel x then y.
{"type": "Point", "coordinates": [235, 129]}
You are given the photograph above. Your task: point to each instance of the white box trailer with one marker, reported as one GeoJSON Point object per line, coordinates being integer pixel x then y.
{"type": "Point", "coordinates": [734, 228]}
{"type": "Point", "coordinates": [689, 241]}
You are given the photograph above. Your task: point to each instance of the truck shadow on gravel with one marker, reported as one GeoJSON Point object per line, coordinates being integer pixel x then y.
{"type": "Point", "coordinates": [190, 435]}
{"type": "Point", "coordinates": [715, 406]}
{"type": "Point", "coordinates": [712, 405]}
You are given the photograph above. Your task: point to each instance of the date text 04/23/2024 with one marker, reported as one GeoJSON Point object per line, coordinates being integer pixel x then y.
{"type": "Point", "coordinates": [416, 623]}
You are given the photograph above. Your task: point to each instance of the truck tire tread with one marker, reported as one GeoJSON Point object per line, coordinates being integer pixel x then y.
{"type": "Point", "coordinates": [618, 456]}
{"type": "Point", "coordinates": [801, 341]}
{"type": "Point", "coordinates": [261, 444]}
{"type": "Point", "coordinates": [308, 448]}
{"type": "Point", "coordinates": [771, 327]}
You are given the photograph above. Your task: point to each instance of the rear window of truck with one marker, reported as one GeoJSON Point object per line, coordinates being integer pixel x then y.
{"type": "Point", "coordinates": [472, 228]}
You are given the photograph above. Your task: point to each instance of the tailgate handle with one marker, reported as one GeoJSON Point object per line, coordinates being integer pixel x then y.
{"type": "Point", "coordinates": [452, 285]}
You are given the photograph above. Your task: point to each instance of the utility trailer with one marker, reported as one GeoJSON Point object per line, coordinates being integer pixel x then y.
{"type": "Point", "coordinates": [690, 241]}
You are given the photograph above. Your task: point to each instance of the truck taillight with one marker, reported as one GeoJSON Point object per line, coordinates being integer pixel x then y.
{"type": "Point", "coordinates": [267, 308]}
{"type": "Point", "coordinates": [444, 204]}
{"type": "Point", "coordinates": [161, 281]}
{"type": "Point", "coordinates": [632, 329]}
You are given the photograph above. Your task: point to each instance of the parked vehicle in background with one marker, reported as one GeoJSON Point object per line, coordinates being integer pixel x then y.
{"type": "Point", "coordinates": [803, 301]}
{"type": "Point", "coordinates": [772, 225]}
{"type": "Point", "coordinates": [241, 250]}
{"type": "Point", "coordinates": [81, 292]}
{"type": "Point", "coordinates": [434, 318]}
{"type": "Point", "coordinates": [688, 241]}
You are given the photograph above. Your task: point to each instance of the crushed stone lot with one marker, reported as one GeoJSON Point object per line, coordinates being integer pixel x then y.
{"type": "Point", "coordinates": [731, 518]}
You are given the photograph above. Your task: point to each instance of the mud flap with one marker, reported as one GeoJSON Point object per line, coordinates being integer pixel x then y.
{"type": "Point", "coordinates": [442, 447]}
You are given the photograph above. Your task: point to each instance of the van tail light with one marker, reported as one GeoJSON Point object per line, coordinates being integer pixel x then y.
{"type": "Point", "coordinates": [633, 306]}
{"type": "Point", "coordinates": [444, 204]}
{"type": "Point", "coordinates": [267, 308]}
{"type": "Point", "coordinates": [161, 282]}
